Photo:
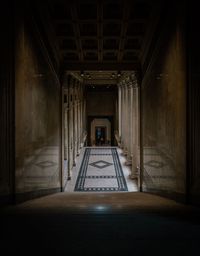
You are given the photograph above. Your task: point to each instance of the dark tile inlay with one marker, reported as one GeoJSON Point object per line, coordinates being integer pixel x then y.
{"type": "Point", "coordinates": [80, 182]}
{"type": "Point", "coordinates": [100, 164]}
{"type": "Point", "coordinates": [46, 164]}
{"type": "Point", "coordinates": [155, 164]}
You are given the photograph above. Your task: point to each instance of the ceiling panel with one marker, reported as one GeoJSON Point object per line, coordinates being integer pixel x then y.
{"type": "Point", "coordinates": [102, 31]}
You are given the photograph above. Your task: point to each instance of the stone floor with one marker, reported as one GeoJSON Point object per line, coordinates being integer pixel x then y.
{"type": "Point", "coordinates": [123, 223]}
{"type": "Point", "coordinates": [100, 223]}
{"type": "Point", "coordinates": [96, 174]}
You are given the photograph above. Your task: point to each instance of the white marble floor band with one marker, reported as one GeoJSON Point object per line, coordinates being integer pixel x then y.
{"type": "Point", "coordinates": [101, 169]}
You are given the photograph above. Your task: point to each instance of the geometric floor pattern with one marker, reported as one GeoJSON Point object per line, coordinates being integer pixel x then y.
{"type": "Point", "coordinates": [97, 174]}
{"type": "Point", "coordinates": [100, 164]}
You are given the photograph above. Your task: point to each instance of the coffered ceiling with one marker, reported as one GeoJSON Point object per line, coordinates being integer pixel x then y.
{"type": "Point", "coordinates": [97, 34]}
{"type": "Point", "coordinates": [99, 40]}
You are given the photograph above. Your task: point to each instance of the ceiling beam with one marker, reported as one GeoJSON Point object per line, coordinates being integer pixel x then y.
{"type": "Point", "coordinates": [77, 30]}
{"type": "Point", "coordinates": [131, 66]}
{"type": "Point", "coordinates": [124, 26]}
{"type": "Point", "coordinates": [100, 30]}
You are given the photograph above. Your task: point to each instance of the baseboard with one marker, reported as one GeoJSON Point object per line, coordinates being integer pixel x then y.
{"type": "Point", "coordinates": [22, 197]}
{"type": "Point", "coordinates": [178, 197]}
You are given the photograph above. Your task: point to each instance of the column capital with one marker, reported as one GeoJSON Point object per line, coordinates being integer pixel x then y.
{"type": "Point", "coordinates": [130, 85]}
{"type": "Point", "coordinates": [71, 82]}
{"type": "Point", "coordinates": [134, 80]}
{"type": "Point", "coordinates": [119, 85]}
{"type": "Point", "coordinates": [124, 84]}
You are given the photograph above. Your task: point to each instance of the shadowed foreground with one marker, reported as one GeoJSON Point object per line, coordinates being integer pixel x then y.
{"type": "Point", "coordinates": [100, 224]}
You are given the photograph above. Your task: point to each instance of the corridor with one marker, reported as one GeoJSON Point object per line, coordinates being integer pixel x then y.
{"type": "Point", "coordinates": [117, 74]}
{"type": "Point", "coordinates": [99, 127]}
{"type": "Point", "coordinates": [101, 169]}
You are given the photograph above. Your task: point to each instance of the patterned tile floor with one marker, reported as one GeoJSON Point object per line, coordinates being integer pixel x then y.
{"type": "Point", "coordinates": [103, 170]}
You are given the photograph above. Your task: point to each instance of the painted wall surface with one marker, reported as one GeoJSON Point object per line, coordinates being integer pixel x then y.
{"type": "Point", "coordinates": [164, 113]}
{"type": "Point", "coordinates": [37, 121]}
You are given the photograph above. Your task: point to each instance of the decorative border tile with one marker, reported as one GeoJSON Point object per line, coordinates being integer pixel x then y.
{"type": "Point", "coordinates": [105, 189]}
{"type": "Point", "coordinates": [101, 177]}
{"type": "Point", "coordinates": [100, 154]}
{"type": "Point", "coordinates": [80, 182]}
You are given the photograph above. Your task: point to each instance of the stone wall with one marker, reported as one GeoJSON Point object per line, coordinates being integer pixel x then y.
{"type": "Point", "coordinates": [101, 103]}
{"type": "Point", "coordinates": [193, 106]}
{"type": "Point", "coordinates": [37, 114]}
{"type": "Point", "coordinates": [6, 104]}
{"type": "Point", "coordinates": [164, 111]}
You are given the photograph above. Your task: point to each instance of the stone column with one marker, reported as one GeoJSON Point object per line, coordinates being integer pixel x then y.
{"type": "Point", "coordinates": [122, 116]}
{"type": "Point", "coordinates": [66, 136]}
{"type": "Point", "coordinates": [78, 121]}
{"type": "Point", "coordinates": [129, 123]}
{"type": "Point", "coordinates": [125, 148]}
{"type": "Point", "coordinates": [70, 127]}
{"type": "Point", "coordinates": [119, 112]}
{"type": "Point", "coordinates": [76, 118]}
{"type": "Point", "coordinates": [74, 123]}
{"type": "Point", "coordinates": [135, 123]}
{"type": "Point", "coordinates": [84, 116]}
{"type": "Point", "coordinates": [81, 117]}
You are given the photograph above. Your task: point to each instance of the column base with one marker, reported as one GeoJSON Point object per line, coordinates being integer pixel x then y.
{"type": "Point", "coordinates": [133, 176]}
{"type": "Point", "coordinates": [125, 152]}
{"type": "Point", "coordinates": [79, 151]}
{"type": "Point", "coordinates": [128, 163]}
{"type": "Point", "coordinates": [69, 175]}
{"type": "Point", "coordinates": [120, 145]}
{"type": "Point", "coordinates": [129, 159]}
{"type": "Point", "coordinates": [135, 173]}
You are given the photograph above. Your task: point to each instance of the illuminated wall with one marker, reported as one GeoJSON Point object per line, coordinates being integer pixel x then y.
{"type": "Point", "coordinates": [164, 112]}
{"type": "Point", "coordinates": [37, 118]}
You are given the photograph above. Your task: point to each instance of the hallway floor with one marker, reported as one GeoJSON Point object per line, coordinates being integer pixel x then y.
{"type": "Point", "coordinates": [100, 224]}
{"type": "Point", "coordinates": [101, 169]}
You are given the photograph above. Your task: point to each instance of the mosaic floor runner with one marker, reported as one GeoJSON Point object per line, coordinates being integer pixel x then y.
{"type": "Point", "coordinates": [100, 171]}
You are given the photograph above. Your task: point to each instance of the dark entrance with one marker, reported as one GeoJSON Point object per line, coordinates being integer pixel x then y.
{"type": "Point", "coordinates": [100, 135]}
